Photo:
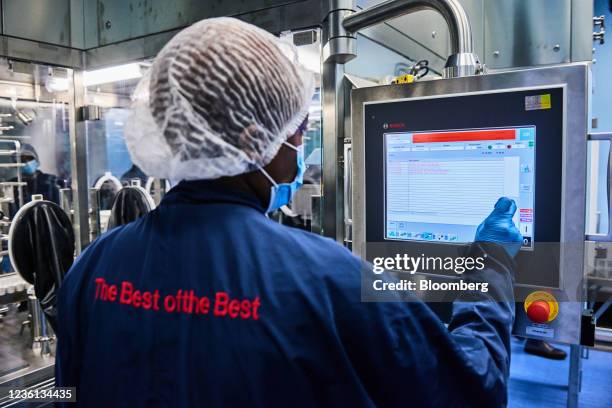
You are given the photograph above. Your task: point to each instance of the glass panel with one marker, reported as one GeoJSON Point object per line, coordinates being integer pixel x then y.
{"type": "Point", "coordinates": [300, 212]}
{"type": "Point", "coordinates": [34, 138]}
{"type": "Point", "coordinates": [35, 104]}
{"type": "Point", "coordinates": [109, 166]}
{"type": "Point", "coordinates": [389, 64]}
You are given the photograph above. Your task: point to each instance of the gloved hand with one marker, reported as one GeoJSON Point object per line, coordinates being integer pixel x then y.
{"type": "Point", "coordinates": [498, 227]}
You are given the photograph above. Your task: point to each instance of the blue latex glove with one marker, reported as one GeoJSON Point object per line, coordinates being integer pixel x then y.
{"type": "Point", "coordinates": [498, 227]}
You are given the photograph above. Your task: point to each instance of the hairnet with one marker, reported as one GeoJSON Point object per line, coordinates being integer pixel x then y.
{"type": "Point", "coordinates": [27, 149]}
{"type": "Point", "coordinates": [219, 100]}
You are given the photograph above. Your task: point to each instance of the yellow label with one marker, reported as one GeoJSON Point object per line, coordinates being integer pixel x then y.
{"type": "Point", "coordinates": [404, 79]}
{"type": "Point", "coordinates": [546, 297]}
{"type": "Point", "coordinates": [545, 101]}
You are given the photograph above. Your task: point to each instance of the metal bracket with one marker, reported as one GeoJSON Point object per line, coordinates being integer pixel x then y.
{"type": "Point", "coordinates": [89, 112]}
{"type": "Point", "coordinates": [600, 22]}
{"type": "Point", "coordinates": [587, 328]}
{"type": "Point", "coordinates": [339, 46]}
{"type": "Point", "coordinates": [608, 236]}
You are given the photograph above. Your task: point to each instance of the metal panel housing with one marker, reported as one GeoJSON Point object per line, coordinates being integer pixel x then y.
{"type": "Point", "coordinates": [120, 20]}
{"type": "Point", "coordinates": [576, 79]}
{"type": "Point", "coordinates": [522, 33]}
{"type": "Point", "coordinates": [47, 21]}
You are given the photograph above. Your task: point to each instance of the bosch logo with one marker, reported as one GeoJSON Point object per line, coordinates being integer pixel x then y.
{"type": "Point", "coordinates": [385, 126]}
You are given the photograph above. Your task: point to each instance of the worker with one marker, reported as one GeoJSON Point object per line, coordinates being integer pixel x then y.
{"type": "Point", "coordinates": [544, 349]}
{"type": "Point", "coordinates": [134, 173]}
{"type": "Point", "coordinates": [37, 182]}
{"type": "Point", "coordinates": [207, 302]}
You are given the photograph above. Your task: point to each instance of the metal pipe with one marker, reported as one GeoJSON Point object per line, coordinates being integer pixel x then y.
{"type": "Point", "coordinates": [462, 60]}
{"type": "Point", "coordinates": [452, 12]}
{"type": "Point", "coordinates": [94, 214]}
{"type": "Point", "coordinates": [78, 160]}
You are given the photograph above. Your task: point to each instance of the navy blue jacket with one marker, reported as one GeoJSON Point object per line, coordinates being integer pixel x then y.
{"type": "Point", "coordinates": [272, 316]}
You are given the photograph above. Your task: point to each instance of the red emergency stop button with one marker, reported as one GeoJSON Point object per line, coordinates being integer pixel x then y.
{"type": "Point", "coordinates": [541, 307]}
{"type": "Point", "coordinates": [538, 311]}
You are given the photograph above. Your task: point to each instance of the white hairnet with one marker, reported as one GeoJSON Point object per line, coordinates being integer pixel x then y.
{"type": "Point", "coordinates": [219, 100]}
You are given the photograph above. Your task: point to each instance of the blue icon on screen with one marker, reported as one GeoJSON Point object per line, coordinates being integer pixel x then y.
{"type": "Point", "coordinates": [526, 133]}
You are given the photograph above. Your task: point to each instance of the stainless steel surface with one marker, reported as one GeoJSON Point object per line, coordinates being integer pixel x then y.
{"type": "Point", "coordinates": [581, 31]}
{"type": "Point", "coordinates": [119, 20]}
{"type": "Point", "coordinates": [315, 224]}
{"type": "Point", "coordinates": [121, 43]}
{"type": "Point", "coordinates": [41, 340]}
{"type": "Point", "coordinates": [517, 32]}
{"type": "Point", "coordinates": [451, 10]}
{"type": "Point", "coordinates": [132, 50]}
{"type": "Point", "coordinates": [403, 43]}
{"type": "Point", "coordinates": [608, 236]}
{"type": "Point", "coordinates": [464, 64]}
{"type": "Point", "coordinates": [340, 50]}
{"type": "Point", "coordinates": [340, 46]}
{"type": "Point", "coordinates": [604, 335]}
{"type": "Point", "coordinates": [348, 188]}
{"type": "Point", "coordinates": [506, 33]}
{"type": "Point", "coordinates": [78, 162]}
{"type": "Point", "coordinates": [337, 12]}
{"type": "Point", "coordinates": [47, 21]}
{"type": "Point", "coordinates": [424, 34]}
{"type": "Point", "coordinates": [576, 78]}
{"type": "Point", "coordinates": [77, 24]}
{"type": "Point", "coordinates": [94, 213]}
{"type": "Point", "coordinates": [335, 99]}
{"type": "Point", "coordinates": [73, 33]}
{"type": "Point", "coordinates": [22, 366]}
{"type": "Point", "coordinates": [524, 33]}
{"type": "Point", "coordinates": [575, 376]}
{"type": "Point", "coordinates": [40, 52]}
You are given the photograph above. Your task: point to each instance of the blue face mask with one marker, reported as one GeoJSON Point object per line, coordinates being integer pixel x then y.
{"type": "Point", "coordinates": [30, 167]}
{"type": "Point", "coordinates": [281, 194]}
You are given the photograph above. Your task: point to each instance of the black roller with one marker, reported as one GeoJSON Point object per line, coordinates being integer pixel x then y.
{"type": "Point", "coordinates": [41, 248]}
{"type": "Point", "coordinates": [131, 203]}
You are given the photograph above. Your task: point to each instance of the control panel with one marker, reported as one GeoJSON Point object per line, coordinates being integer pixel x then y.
{"type": "Point", "coordinates": [431, 158]}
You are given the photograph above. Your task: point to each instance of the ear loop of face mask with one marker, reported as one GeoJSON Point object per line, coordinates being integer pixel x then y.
{"type": "Point", "coordinates": [265, 173]}
{"type": "Point", "coordinates": [273, 205]}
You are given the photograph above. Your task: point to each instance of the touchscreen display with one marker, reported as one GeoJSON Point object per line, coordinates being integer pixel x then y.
{"type": "Point", "coordinates": [440, 185]}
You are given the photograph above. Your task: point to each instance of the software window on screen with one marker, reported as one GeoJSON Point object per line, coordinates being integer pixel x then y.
{"type": "Point", "coordinates": [441, 185]}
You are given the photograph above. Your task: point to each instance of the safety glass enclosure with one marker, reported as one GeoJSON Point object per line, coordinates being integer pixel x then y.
{"type": "Point", "coordinates": [109, 167]}
{"type": "Point", "coordinates": [304, 211]}
{"type": "Point", "coordinates": [35, 164]}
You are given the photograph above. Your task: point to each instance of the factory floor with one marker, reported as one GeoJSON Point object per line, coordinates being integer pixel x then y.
{"type": "Point", "coordinates": [539, 382]}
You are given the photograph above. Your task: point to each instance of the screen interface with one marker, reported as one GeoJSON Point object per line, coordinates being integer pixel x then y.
{"type": "Point", "coordinates": [440, 185]}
